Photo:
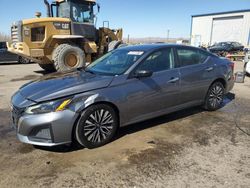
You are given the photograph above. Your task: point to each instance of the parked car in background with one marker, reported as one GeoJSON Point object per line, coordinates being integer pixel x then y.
{"type": "Point", "coordinates": [6, 56]}
{"type": "Point", "coordinates": [223, 48]}
{"type": "Point", "coordinates": [125, 86]}
{"type": "Point", "coordinates": [247, 63]}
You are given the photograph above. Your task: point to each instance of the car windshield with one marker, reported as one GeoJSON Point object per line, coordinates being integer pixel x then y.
{"type": "Point", "coordinates": [222, 44]}
{"type": "Point", "coordinates": [115, 62]}
{"type": "Point", "coordinates": [236, 44]}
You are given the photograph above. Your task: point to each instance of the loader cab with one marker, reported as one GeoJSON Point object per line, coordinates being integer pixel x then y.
{"type": "Point", "coordinates": [81, 12]}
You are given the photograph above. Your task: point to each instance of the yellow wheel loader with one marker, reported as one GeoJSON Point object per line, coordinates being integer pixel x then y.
{"type": "Point", "coordinates": [66, 39]}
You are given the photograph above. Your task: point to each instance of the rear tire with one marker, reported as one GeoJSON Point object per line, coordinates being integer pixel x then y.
{"type": "Point", "coordinates": [97, 126]}
{"type": "Point", "coordinates": [48, 67]}
{"type": "Point", "coordinates": [67, 57]}
{"type": "Point", "coordinates": [215, 96]}
{"type": "Point", "coordinates": [114, 45]}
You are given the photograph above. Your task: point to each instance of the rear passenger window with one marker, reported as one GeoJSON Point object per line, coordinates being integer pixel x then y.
{"type": "Point", "coordinates": [158, 61]}
{"type": "Point", "coordinates": [203, 56]}
{"type": "Point", "coordinates": [188, 56]}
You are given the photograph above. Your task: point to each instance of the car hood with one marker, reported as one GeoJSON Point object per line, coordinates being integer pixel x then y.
{"type": "Point", "coordinates": [59, 85]}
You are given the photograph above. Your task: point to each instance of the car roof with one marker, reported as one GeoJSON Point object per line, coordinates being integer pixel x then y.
{"type": "Point", "coordinates": [150, 47]}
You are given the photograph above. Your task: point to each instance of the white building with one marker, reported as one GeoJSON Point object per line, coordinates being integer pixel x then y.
{"type": "Point", "coordinates": [206, 29]}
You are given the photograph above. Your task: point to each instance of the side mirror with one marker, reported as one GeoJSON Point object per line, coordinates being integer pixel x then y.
{"type": "Point", "coordinates": [143, 74]}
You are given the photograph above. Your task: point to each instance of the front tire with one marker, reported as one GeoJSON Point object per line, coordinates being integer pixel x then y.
{"type": "Point", "coordinates": [97, 126]}
{"type": "Point", "coordinates": [215, 96]}
{"type": "Point", "coordinates": [67, 57]}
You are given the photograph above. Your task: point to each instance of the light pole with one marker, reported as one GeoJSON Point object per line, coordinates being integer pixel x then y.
{"type": "Point", "coordinates": [168, 36]}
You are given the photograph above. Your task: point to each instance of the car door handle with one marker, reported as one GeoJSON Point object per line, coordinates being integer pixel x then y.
{"type": "Point", "coordinates": [173, 80]}
{"type": "Point", "coordinates": [209, 69]}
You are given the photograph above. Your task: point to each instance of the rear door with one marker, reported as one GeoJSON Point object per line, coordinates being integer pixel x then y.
{"type": "Point", "coordinates": [197, 71]}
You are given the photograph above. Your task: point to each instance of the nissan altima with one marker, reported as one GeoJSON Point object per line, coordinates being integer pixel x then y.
{"type": "Point", "coordinates": [125, 86]}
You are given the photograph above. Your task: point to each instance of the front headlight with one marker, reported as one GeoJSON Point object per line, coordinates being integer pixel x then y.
{"type": "Point", "coordinates": [53, 106]}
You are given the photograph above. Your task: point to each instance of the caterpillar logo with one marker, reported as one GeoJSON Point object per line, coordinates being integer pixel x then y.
{"type": "Point", "coordinates": [65, 26]}
{"type": "Point", "coordinates": [61, 25]}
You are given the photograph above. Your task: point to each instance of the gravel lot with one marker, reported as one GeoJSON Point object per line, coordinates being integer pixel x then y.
{"type": "Point", "coordinates": [190, 148]}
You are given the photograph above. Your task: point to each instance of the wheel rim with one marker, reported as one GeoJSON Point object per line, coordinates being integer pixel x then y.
{"type": "Point", "coordinates": [98, 126]}
{"type": "Point", "coordinates": [22, 60]}
{"type": "Point", "coordinates": [216, 96]}
{"type": "Point", "coordinates": [71, 60]}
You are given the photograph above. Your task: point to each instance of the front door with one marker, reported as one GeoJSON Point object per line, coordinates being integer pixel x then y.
{"type": "Point", "coordinates": [152, 96]}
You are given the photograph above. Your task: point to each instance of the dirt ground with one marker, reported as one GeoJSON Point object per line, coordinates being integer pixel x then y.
{"type": "Point", "coordinates": [190, 148]}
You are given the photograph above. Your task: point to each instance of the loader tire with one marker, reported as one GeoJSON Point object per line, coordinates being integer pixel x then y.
{"type": "Point", "coordinates": [114, 45]}
{"type": "Point", "coordinates": [67, 57]}
{"type": "Point", "coordinates": [122, 45]}
{"type": "Point", "coordinates": [48, 67]}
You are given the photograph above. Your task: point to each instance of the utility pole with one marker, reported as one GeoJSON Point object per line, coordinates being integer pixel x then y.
{"type": "Point", "coordinates": [168, 36]}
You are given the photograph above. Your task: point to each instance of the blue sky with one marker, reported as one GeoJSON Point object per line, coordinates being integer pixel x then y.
{"type": "Point", "coordinates": [139, 18]}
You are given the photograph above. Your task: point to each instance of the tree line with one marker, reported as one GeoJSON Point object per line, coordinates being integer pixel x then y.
{"type": "Point", "coordinates": [4, 37]}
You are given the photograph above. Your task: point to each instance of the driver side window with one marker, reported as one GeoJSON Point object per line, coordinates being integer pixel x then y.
{"type": "Point", "coordinates": [158, 61]}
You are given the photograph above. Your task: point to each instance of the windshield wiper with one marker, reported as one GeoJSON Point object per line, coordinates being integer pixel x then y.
{"type": "Point", "coordinates": [89, 71]}
{"type": "Point", "coordinates": [85, 70]}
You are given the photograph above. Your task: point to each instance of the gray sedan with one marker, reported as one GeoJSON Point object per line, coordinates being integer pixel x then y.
{"type": "Point", "coordinates": [128, 85]}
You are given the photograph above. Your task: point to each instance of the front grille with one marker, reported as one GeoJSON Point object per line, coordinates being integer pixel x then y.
{"type": "Point", "coordinates": [16, 32]}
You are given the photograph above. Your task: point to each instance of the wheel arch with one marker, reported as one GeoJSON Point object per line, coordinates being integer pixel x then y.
{"type": "Point", "coordinates": [55, 42]}
{"type": "Point", "coordinates": [221, 80]}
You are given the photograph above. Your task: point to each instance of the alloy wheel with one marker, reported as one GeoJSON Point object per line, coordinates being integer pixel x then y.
{"type": "Point", "coordinates": [98, 126]}
{"type": "Point", "coordinates": [216, 96]}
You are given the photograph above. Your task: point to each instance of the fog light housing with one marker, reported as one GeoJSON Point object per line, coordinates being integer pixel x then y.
{"type": "Point", "coordinates": [41, 134]}
{"type": "Point", "coordinates": [44, 133]}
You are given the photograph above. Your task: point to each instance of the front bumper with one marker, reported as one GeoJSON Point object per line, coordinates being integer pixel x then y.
{"type": "Point", "coordinates": [26, 140]}
{"type": "Point", "coordinates": [49, 129]}
{"type": "Point", "coordinates": [21, 49]}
